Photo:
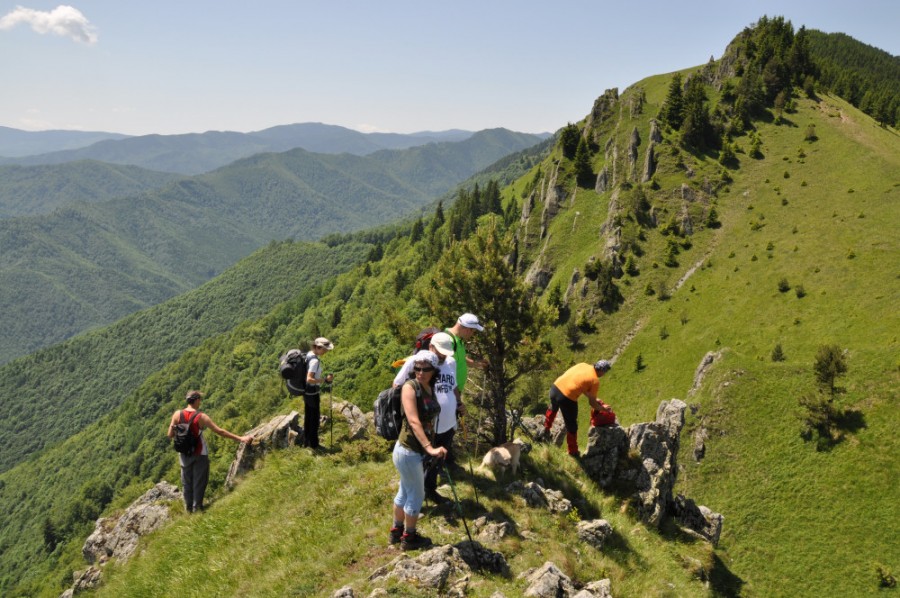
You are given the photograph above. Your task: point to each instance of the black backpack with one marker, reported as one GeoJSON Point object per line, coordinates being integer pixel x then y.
{"type": "Point", "coordinates": [293, 368]}
{"type": "Point", "coordinates": [388, 410]}
{"type": "Point", "coordinates": [184, 440]}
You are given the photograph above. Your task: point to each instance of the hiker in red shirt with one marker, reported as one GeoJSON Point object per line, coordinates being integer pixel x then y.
{"type": "Point", "coordinates": [195, 467]}
{"type": "Point", "coordinates": [580, 379]}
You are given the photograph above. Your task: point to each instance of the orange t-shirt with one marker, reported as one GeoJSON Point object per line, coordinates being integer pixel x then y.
{"type": "Point", "coordinates": [579, 379]}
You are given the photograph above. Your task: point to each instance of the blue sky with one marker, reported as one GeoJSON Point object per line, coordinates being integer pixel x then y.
{"type": "Point", "coordinates": [196, 65]}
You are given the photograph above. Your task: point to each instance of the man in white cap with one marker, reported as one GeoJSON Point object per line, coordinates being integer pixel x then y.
{"type": "Point", "coordinates": [311, 397]}
{"type": "Point", "coordinates": [448, 397]}
{"type": "Point", "coordinates": [466, 326]}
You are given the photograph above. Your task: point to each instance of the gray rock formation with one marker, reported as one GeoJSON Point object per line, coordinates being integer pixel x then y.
{"type": "Point", "coordinates": [358, 421]}
{"type": "Point", "coordinates": [655, 134]}
{"type": "Point", "coordinates": [602, 184]}
{"type": "Point", "coordinates": [548, 581]}
{"type": "Point", "coordinates": [649, 163]}
{"type": "Point", "coordinates": [537, 496]}
{"type": "Point", "coordinates": [698, 519]}
{"type": "Point", "coordinates": [440, 569]}
{"type": "Point", "coordinates": [117, 537]}
{"type": "Point", "coordinates": [595, 532]}
{"type": "Point", "coordinates": [606, 445]}
{"type": "Point", "coordinates": [280, 432]}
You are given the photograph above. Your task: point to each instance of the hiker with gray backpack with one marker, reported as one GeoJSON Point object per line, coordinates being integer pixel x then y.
{"type": "Point", "coordinates": [186, 431]}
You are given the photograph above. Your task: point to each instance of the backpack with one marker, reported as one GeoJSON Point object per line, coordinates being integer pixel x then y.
{"type": "Point", "coordinates": [184, 440]}
{"type": "Point", "coordinates": [293, 368]}
{"type": "Point", "coordinates": [423, 339]}
{"type": "Point", "coordinates": [388, 411]}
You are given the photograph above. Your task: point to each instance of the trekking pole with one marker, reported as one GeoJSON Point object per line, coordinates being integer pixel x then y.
{"type": "Point", "coordinates": [458, 505]}
{"type": "Point", "coordinates": [331, 415]}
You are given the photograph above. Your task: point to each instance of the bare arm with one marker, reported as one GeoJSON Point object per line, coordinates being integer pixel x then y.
{"type": "Point", "coordinates": [408, 399]}
{"type": "Point", "coordinates": [206, 422]}
{"type": "Point", "coordinates": [176, 417]}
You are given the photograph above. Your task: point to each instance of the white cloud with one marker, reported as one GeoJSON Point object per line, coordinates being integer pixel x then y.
{"type": "Point", "coordinates": [65, 21]}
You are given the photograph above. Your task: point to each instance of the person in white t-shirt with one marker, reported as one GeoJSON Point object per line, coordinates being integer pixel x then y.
{"type": "Point", "coordinates": [448, 397]}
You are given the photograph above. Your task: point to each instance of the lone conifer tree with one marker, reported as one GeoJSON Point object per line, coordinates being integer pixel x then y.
{"type": "Point", "coordinates": [475, 276]}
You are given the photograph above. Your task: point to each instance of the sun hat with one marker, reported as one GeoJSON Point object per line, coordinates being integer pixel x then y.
{"type": "Point", "coordinates": [443, 343]}
{"type": "Point", "coordinates": [425, 355]}
{"type": "Point", "coordinates": [324, 343]}
{"type": "Point", "coordinates": [470, 321]}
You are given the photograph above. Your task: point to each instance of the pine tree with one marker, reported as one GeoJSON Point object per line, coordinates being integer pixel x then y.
{"type": "Point", "coordinates": [672, 111]}
{"type": "Point", "coordinates": [584, 175]}
{"type": "Point", "coordinates": [475, 276]}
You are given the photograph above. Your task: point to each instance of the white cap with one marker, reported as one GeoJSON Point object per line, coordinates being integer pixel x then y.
{"type": "Point", "coordinates": [470, 321]}
{"type": "Point", "coordinates": [324, 343]}
{"type": "Point", "coordinates": [442, 343]}
{"type": "Point", "coordinates": [425, 355]}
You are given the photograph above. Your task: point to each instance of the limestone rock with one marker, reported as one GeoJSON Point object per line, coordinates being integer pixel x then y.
{"type": "Point", "coordinates": [698, 519]}
{"type": "Point", "coordinates": [436, 569]}
{"type": "Point", "coordinates": [594, 532]}
{"type": "Point", "coordinates": [605, 446]}
{"type": "Point", "coordinates": [537, 496]}
{"type": "Point", "coordinates": [280, 432]}
{"type": "Point", "coordinates": [117, 537]}
{"type": "Point", "coordinates": [358, 421]}
{"type": "Point", "coordinates": [547, 581]}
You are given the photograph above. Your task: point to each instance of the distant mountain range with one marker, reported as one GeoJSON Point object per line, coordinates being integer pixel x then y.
{"type": "Point", "coordinates": [89, 264]}
{"type": "Point", "coordinates": [195, 153]}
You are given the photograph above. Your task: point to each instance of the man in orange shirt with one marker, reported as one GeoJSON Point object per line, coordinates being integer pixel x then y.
{"type": "Point", "coordinates": [580, 379]}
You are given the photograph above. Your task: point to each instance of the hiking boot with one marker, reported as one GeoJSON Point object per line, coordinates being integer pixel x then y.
{"type": "Point", "coordinates": [414, 541]}
{"type": "Point", "coordinates": [396, 534]}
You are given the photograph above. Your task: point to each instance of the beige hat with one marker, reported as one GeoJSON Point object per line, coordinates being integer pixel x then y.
{"type": "Point", "coordinates": [443, 343]}
{"type": "Point", "coordinates": [324, 343]}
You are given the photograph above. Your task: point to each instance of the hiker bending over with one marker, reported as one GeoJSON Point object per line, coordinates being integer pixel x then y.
{"type": "Point", "coordinates": [447, 394]}
{"type": "Point", "coordinates": [420, 409]}
{"type": "Point", "coordinates": [580, 379]}
{"type": "Point", "coordinates": [195, 467]}
{"type": "Point", "coordinates": [311, 397]}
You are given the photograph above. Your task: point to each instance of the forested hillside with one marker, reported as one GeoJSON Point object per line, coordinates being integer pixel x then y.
{"type": "Point", "coordinates": [719, 211]}
{"type": "Point", "coordinates": [78, 381]}
{"type": "Point", "coordinates": [87, 265]}
{"type": "Point", "coordinates": [28, 191]}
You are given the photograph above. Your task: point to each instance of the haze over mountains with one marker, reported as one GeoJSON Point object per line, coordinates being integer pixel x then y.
{"type": "Point", "coordinates": [89, 264]}
{"type": "Point", "coordinates": [195, 153]}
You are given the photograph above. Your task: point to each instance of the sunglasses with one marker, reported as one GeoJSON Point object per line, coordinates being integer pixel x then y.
{"type": "Point", "coordinates": [423, 369]}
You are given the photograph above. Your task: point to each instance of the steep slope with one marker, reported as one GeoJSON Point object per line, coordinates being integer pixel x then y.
{"type": "Point", "coordinates": [78, 381]}
{"type": "Point", "coordinates": [88, 265]}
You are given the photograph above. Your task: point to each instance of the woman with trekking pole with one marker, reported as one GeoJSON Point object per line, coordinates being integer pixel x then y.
{"type": "Point", "coordinates": [420, 410]}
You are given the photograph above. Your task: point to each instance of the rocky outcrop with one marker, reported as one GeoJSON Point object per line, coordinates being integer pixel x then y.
{"type": "Point", "coordinates": [606, 445]}
{"type": "Point", "coordinates": [602, 184]}
{"type": "Point", "coordinates": [655, 134]}
{"type": "Point", "coordinates": [633, 145]}
{"type": "Point", "coordinates": [548, 581]}
{"type": "Point", "coordinates": [440, 569]}
{"type": "Point", "coordinates": [649, 163]}
{"type": "Point", "coordinates": [604, 108]}
{"type": "Point", "coordinates": [278, 433]}
{"type": "Point", "coordinates": [357, 421]}
{"type": "Point", "coordinates": [537, 496]}
{"type": "Point", "coordinates": [644, 457]}
{"type": "Point", "coordinates": [595, 532]}
{"type": "Point", "coordinates": [708, 360]}
{"type": "Point", "coordinates": [698, 519]}
{"type": "Point", "coordinates": [117, 537]}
